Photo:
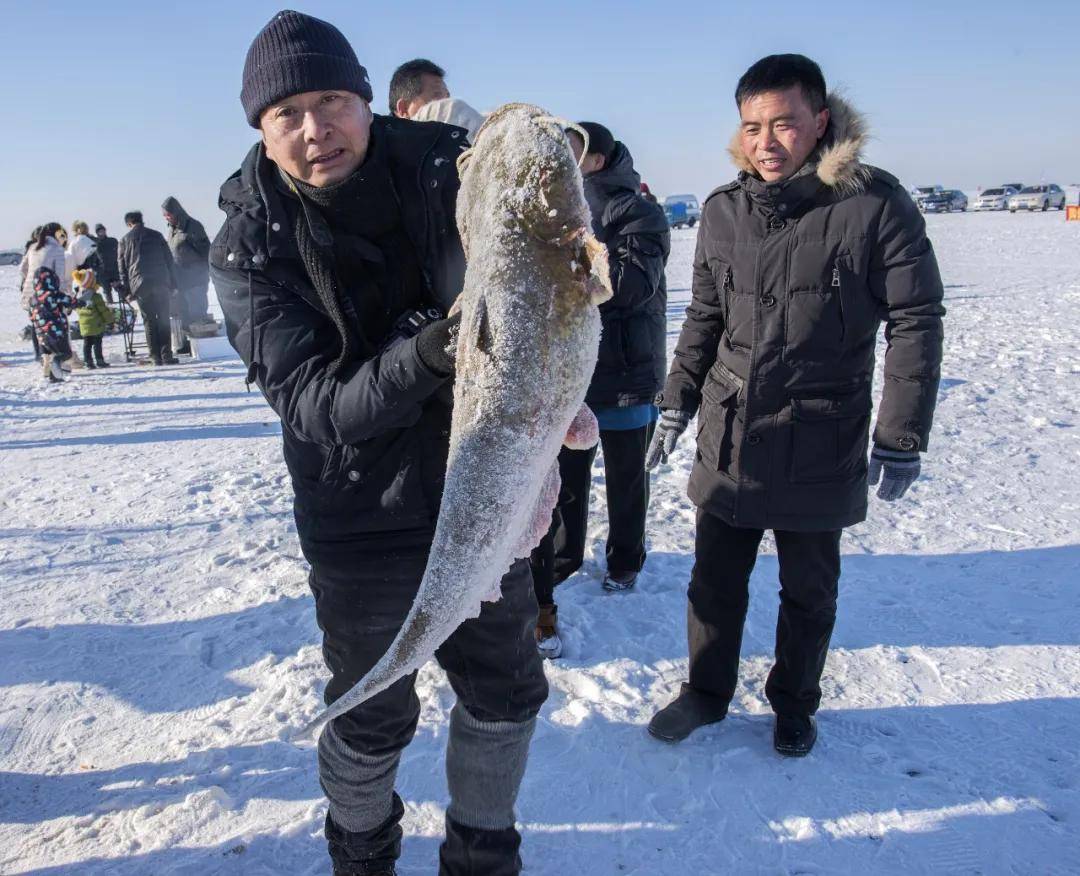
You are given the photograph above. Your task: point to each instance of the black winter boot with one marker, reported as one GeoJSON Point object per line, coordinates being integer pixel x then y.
{"type": "Point", "coordinates": [684, 714]}
{"type": "Point", "coordinates": [371, 853]}
{"type": "Point", "coordinates": [794, 735]}
{"type": "Point", "coordinates": [469, 851]}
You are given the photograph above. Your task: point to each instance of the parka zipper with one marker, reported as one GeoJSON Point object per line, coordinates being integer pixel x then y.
{"type": "Point", "coordinates": [839, 298]}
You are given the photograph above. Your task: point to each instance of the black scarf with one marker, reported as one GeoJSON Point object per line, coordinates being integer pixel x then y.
{"type": "Point", "coordinates": [354, 247]}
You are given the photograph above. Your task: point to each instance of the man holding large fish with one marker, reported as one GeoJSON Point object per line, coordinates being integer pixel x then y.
{"type": "Point", "coordinates": [338, 258]}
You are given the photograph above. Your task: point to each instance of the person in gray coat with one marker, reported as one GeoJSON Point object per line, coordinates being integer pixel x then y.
{"type": "Point", "coordinates": [190, 249]}
{"type": "Point", "coordinates": [798, 263]}
{"type": "Point", "coordinates": [147, 275]}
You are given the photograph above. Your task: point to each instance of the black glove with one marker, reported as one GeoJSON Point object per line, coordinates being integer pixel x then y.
{"type": "Point", "coordinates": [672, 424]}
{"type": "Point", "coordinates": [902, 468]}
{"type": "Point", "coordinates": [436, 345]}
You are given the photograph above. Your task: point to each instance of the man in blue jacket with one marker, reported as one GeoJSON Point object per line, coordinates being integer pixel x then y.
{"type": "Point", "coordinates": [337, 258]}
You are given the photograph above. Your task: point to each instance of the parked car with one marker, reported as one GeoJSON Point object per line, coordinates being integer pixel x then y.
{"type": "Point", "coordinates": [921, 193]}
{"type": "Point", "coordinates": [10, 256]}
{"type": "Point", "coordinates": [945, 202]}
{"type": "Point", "coordinates": [1016, 186]}
{"type": "Point", "coordinates": [682, 210]}
{"type": "Point", "coordinates": [994, 199]}
{"type": "Point", "coordinates": [1038, 198]}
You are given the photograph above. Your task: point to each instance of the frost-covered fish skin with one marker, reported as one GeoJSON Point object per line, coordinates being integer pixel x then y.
{"type": "Point", "coordinates": [527, 347]}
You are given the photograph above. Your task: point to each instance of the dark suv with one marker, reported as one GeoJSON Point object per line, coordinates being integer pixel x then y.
{"type": "Point", "coordinates": [945, 202]}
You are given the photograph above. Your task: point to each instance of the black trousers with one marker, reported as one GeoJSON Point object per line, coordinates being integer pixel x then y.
{"type": "Point", "coordinates": [92, 353]}
{"type": "Point", "coordinates": [724, 557]}
{"type": "Point", "coordinates": [154, 307]}
{"type": "Point", "coordinates": [562, 550]}
{"type": "Point", "coordinates": [363, 591]}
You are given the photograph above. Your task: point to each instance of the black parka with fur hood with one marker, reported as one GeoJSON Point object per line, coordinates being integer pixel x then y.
{"type": "Point", "coordinates": [791, 282]}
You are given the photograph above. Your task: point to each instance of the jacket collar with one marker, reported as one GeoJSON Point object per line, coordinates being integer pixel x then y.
{"type": "Point", "coordinates": [253, 193]}
{"type": "Point", "coordinates": [836, 163]}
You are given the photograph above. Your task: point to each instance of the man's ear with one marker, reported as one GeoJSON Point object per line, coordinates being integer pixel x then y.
{"type": "Point", "coordinates": [401, 108]}
{"type": "Point", "coordinates": [603, 162]}
{"type": "Point", "coordinates": [822, 122]}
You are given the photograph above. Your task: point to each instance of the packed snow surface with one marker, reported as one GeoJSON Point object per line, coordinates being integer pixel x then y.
{"type": "Point", "coordinates": [158, 643]}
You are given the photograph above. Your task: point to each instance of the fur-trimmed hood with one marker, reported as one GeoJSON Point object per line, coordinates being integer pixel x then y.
{"type": "Point", "coordinates": [838, 157]}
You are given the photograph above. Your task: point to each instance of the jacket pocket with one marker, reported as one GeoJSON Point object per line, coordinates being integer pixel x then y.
{"type": "Point", "coordinates": [718, 424]}
{"type": "Point", "coordinates": [815, 325]}
{"type": "Point", "coordinates": [738, 311]}
{"type": "Point", "coordinates": [829, 438]}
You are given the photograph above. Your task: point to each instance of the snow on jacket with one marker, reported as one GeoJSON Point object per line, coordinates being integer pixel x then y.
{"type": "Point", "coordinates": [50, 256]}
{"type": "Point", "coordinates": [366, 449]}
{"type": "Point", "coordinates": [632, 359]}
{"type": "Point", "coordinates": [791, 282]}
{"type": "Point", "coordinates": [145, 263]}
{"type": "Point", "coordinates": [95, 316]}
{"type": "Point", "coordinates": [190, 248]}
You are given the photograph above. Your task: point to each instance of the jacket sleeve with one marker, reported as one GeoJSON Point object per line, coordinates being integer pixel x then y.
{"type": "Point", "coordinates": [289, 347]}
{"type": "Point", "coordinates": [695, 352]}
{"type": "Point", "coordinates": [59, 266]}
{"type": "Point", "coordinates": [904, 277]}
{"type": "Point", "coordinates": [170, 264]}
{"type": "Point", "coordinates": [122, 267]}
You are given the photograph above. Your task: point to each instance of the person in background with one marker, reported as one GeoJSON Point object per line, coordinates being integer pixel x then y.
{"type": "Point", "coordinates": [190, 249]}
{"type": "Point", "coordinates": [106, 250]}
{"type": "Point", "coordinates": [647, 194]}
{"type": "Point", "coordinates": [148, 276]}
{"type": "Point", "coordinates": [798, 262]}
{"type": "Point", "coordinates": [26, 292]}
{"type": "Point", "coordinates": [95, 316]}
{"type": "Point", "coordinates": [414, 84]}
{"type": "Point", "coordinates": [48, 289]}
{"type": "Point", "coordinates": [82, 250]}
{"type": "Point", "coordinates": [629, 372]}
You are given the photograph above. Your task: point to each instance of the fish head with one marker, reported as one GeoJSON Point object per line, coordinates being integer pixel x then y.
{"type": "Point", "coordinates": [522, 157]}
{"type": "Point", "coordinates": [521, 174]}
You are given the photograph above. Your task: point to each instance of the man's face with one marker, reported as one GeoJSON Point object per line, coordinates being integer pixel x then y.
{"type": "Point", "coordinates": [169, 217]}
{"type": "Point", "coordinates": [592, 162]}
{"type": "Point", "coordinates": [318, 137]}
{"type": "Point", "coordinates": [779, 131]}
{"type": "Point", "coordinates": [431, 88]}
{"type": "Point", "coordinates": [101, 232]}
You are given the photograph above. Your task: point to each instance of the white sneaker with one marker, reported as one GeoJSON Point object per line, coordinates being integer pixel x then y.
{"type": "Point", "coordinates": [548, 642]}
{"type": "Point", "coordinates": [619, 583]}
{"type": "Point", "coordinates": [550, 647]}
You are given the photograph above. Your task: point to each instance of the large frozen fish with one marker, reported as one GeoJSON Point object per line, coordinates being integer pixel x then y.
{"type": "Point", "coordinates": [525, 353]}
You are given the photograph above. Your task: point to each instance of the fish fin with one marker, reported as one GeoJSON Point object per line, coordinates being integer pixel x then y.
{"type": "Point", "coordinates": [481, 328]}
{"type": "Point", "coordinates": [595, 260]}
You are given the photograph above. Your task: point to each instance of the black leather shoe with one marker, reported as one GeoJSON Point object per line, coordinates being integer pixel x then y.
{"type": "Point", "coordinates": [794, 735]}
{"type": "Point", "coordinates": [684, 714]}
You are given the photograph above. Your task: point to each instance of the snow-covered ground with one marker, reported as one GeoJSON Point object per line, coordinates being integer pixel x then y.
{"type": "Point", "coordinates": [158, 643]}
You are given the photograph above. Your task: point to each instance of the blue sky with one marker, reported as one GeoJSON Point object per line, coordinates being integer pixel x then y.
{"type": "Point", "coordinates": [114, 105]}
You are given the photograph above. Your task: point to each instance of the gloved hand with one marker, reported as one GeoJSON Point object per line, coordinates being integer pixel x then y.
{"type": "Point", "coordinates": [436, 345]}
{"type": "Point", "coordinates": [672, 424]}
{"type": "Point", "coordinates": [902, 468]}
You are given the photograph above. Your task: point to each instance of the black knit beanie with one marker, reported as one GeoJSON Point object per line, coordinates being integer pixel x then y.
{"type": "Point", "coordinates": [295, 53]}
{"type": "Point", "coordinates": [601, 140]}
